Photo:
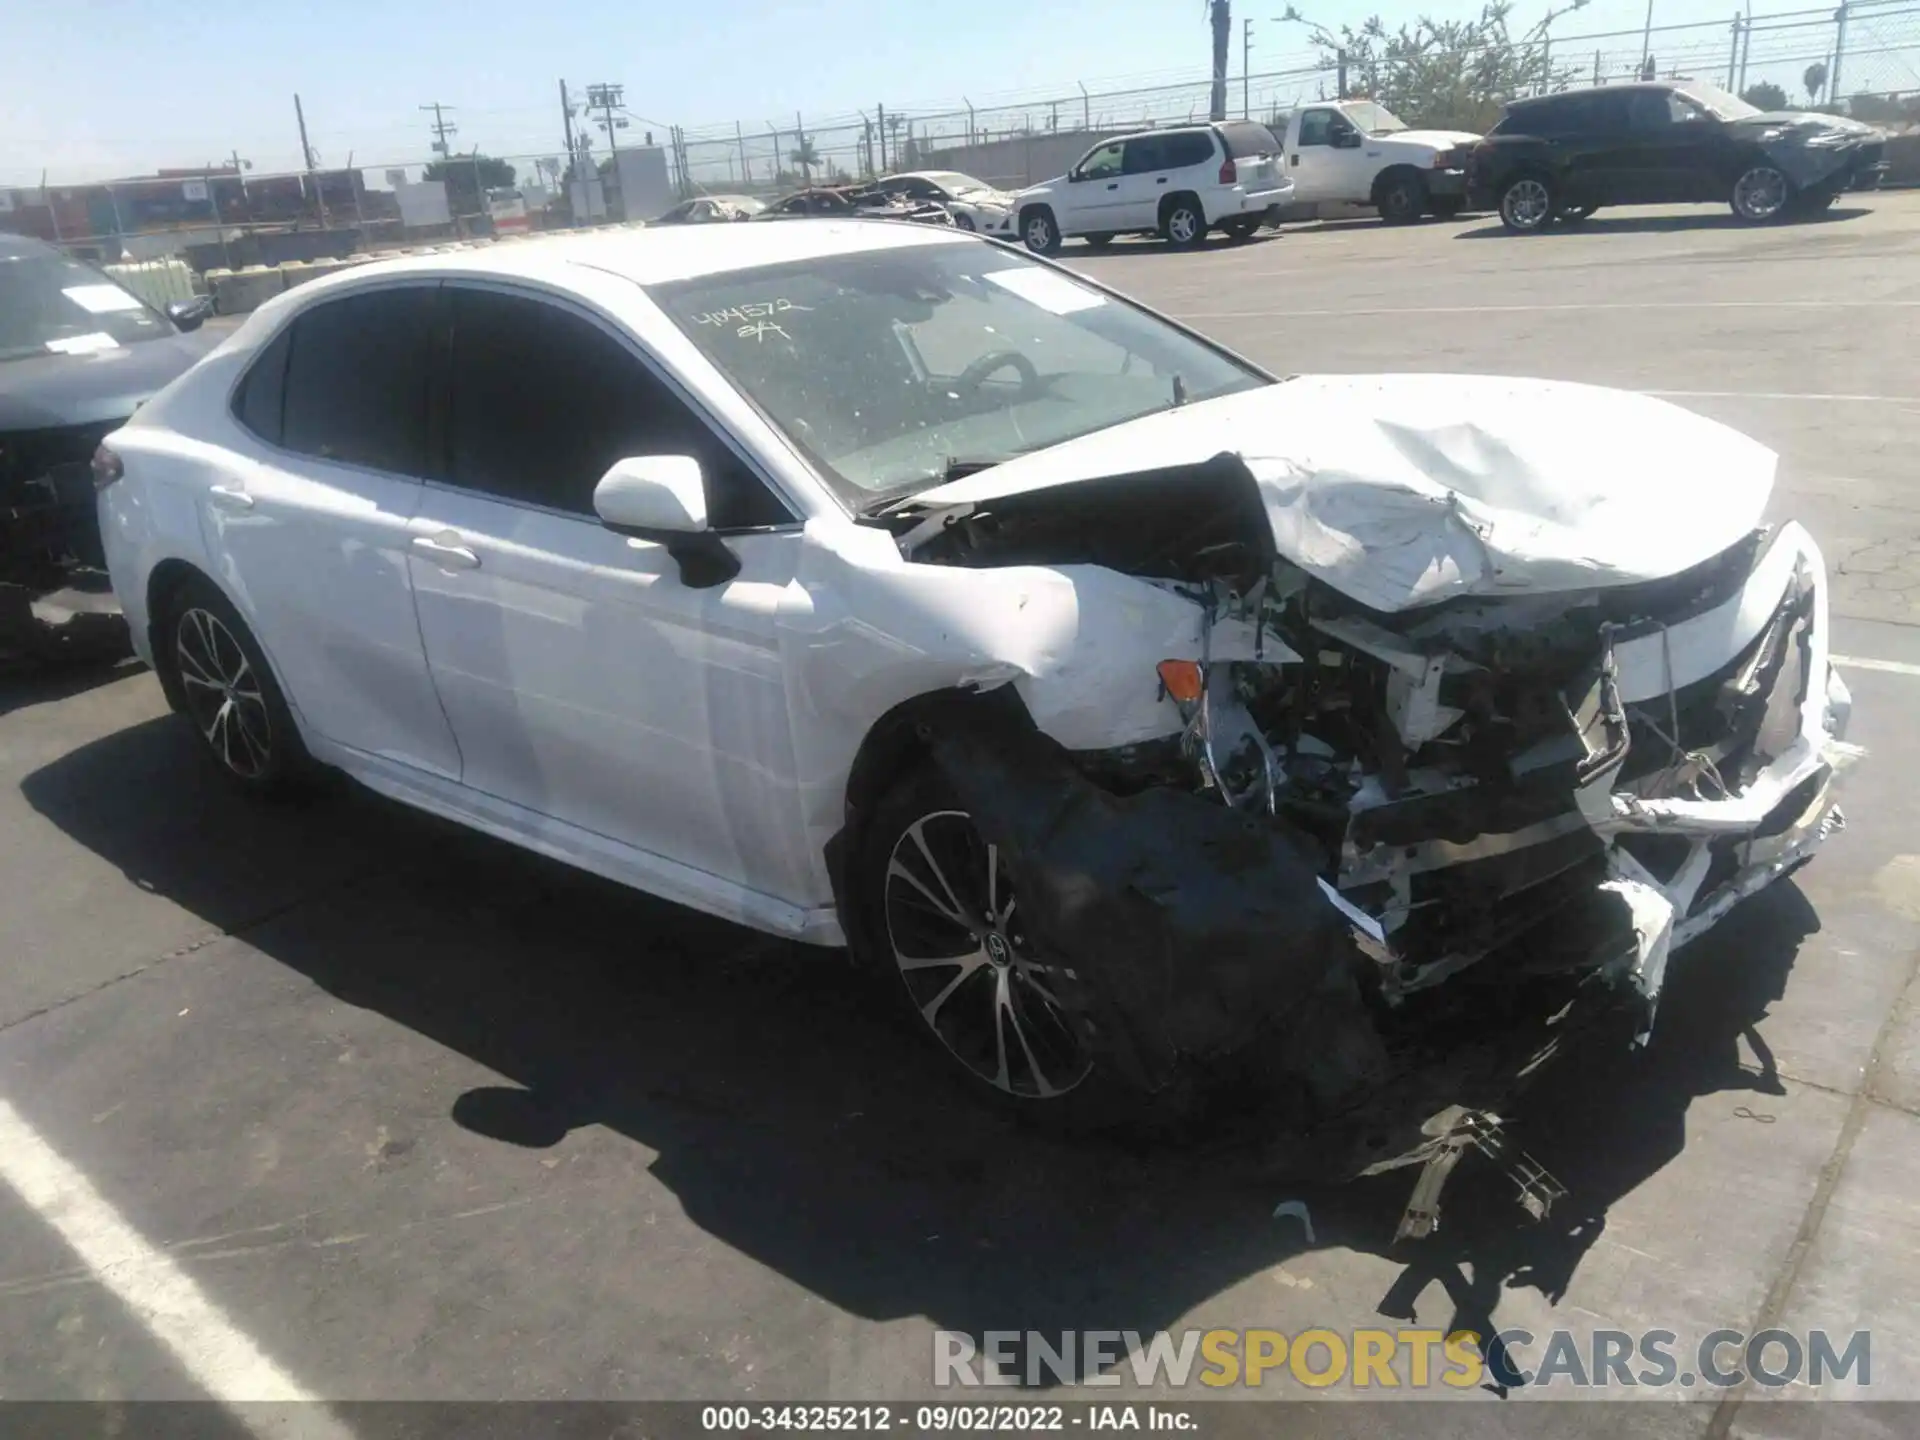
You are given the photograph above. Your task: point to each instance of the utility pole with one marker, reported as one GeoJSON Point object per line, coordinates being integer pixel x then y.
{"type": "Point", "coordinates": [1839, 52]}
{"type": "Point", "coordinates": [1246, 69]}
{"type": "Point", "coordinates": [442, 128]}
{"type": "Point", "coordinates": [606, 99]}
{"type": "Point", "coordinates": [1746, 48]}
{"type": "Point", "coordinates": [307, 158]}
{"type": "Point", "coordinates": [1646, 43]}
{"type": "Point", "coordinates": [1340, 75]}
{"type": "Point", "coordinates": [1733, 59]}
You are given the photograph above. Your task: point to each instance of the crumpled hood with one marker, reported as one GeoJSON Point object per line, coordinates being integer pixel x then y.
{"type": "Point", "coordinates": [43, 391]}
{"type": "Point", "coordinates": [1405, 490]}
{"type": "Point", "coordinates": [1807, 121]}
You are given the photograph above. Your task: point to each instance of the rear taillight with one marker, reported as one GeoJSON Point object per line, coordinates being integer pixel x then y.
{"type": "Point", "coordinates": [1228, 175]}
{"type": "Point", "coordinates": [106, 468]}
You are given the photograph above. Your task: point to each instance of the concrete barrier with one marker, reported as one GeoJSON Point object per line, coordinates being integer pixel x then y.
{"type": "Point", "coordinates": [236, 292]}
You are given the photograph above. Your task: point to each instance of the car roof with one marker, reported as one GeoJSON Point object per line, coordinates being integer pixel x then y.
{"type": "Point", "coordinates": [672, 252]}
{"type": "Point", "coordinates": [18, 247]}
{"type": "Point", "coordinates": [1662, 86]}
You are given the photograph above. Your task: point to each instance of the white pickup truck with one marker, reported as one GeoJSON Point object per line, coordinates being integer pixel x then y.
{"type": "Point", "coordinates": [1360, 153]}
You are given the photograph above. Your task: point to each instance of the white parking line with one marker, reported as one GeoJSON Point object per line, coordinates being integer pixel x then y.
{"type": "Point", "coordinates": [1541, 309]}
{"type": "Point", "coordinates": [1780, 395]}
{"type": "Point", "coordinates": [1892, 667]}
{"type": "Point", "coordinates": [212, 1350]}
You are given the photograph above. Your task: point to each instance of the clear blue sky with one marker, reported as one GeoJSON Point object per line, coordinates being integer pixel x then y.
{"type": "Point", "coordinates": [94, 88]}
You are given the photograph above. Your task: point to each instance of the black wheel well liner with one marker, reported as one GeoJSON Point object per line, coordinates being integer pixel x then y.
{"type": "Point", "coordinates": [167, 578]}
{"type": "Point", "coordinates": [1167, 202]}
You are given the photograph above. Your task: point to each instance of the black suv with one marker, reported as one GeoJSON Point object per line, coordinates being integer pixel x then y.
{"type": "Point", "coordinates": [1561, 157]}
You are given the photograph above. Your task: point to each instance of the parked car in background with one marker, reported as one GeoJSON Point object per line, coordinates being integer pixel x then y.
{"type": "Point", "coordinates": [1562, 157]}
{"type": "Point", "coordinates": [848, 201]}
{"type": "Point", "coordinates": [974, 204]}
{"type": "Point", "coordinates": [712, 209]}
{"type": "Point", "coordinates": [78, 353]}
{"type": "Point", "coordinates": [1129, 712]}
{"type": "Point", "coordinates": [1177, 183]}
{"type": "Point", "coordinates": [1359, 153]}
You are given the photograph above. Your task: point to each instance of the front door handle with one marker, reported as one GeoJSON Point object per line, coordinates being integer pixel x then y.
{"type": "Point", "coordinates": [227, 498]}
{"type": "Point", "coordinates": [1114, 186]}
{"type": "Point", "coordinates": [1161, 181]}
{"type": "Point", "coordinates": [447, 554]}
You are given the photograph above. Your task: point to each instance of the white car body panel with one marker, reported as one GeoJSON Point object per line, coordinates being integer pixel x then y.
{"type": "Point", "coordinates": [1324, 173]}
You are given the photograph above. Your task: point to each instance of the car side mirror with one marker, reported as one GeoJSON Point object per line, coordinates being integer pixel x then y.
{"type": "Point", "coordinates": [663, 499]}
{"type": "Point", "coordinates": [190, 314]}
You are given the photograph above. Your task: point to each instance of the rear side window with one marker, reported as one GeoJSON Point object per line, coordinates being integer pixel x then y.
{"type": "Point", "coordinates": [356, 380]}
{"type": "Point", "coordinates": [1146, 153]}
{"type": "Point", "coordinates": [541, 402]}
{"type": "Point", "coordinates": [1245, 139]}
{"type": "Point", "coordinates": [259, 401]}
{"type": "Point", "coordinates": [1565, 115]}
{"type": "Point", "coordinates": [1192, 147]}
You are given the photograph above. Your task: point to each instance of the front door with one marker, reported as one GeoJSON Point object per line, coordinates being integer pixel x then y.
{"type": "Point", "coordinates": [1093, 199]}
{"type": "Point", "coordinates": [584, 680]}
{"type": "Point", "coordinates": [1315, 165]}
{"type": "Point", "coordinates": [309, 528]}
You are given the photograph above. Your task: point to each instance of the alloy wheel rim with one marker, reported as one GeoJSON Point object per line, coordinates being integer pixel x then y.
{"type": "Point", "coordinates": [1180, 225]}
{"type": "Point", "coordinates": [1527, 204]}
{"type": "Point", "coordinates": [955, 937]}
{"type": "Point", "coordinates": [1039, 233]}
{"type": "Point", "coordinates": [223, 694]}
{"type": "Point", "coordinates": [1761, 192]}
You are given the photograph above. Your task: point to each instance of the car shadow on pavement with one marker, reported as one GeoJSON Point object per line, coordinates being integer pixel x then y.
{"type": "Point", "coordinates": [796, 1121]}
{"type": "Point", "coordinates": [1135, 246]}
{"type": "Point", "coordinates": [25, 683]}
{"type": "Point", "coordinates": [1605, 224]}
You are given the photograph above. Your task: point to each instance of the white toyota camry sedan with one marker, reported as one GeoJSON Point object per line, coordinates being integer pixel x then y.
{"type": "Point", "coordinates": [1140, 717]}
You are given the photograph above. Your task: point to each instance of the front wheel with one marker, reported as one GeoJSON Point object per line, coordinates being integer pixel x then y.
{"type": "Point", "coordinates": [1184, 224]}
{"type": "Point", "coordinates": [1526, 204]}
{"type": "Point", "coordinates": [963, 222]}
{"type": "Point", "coordinates": [1575, 214]}
{"type": "Point", "coordinates": [940, 909]}
{"type": "Point", "coordinates": [1761, 194]}
{"type": "Point", "coordinates": [1403, 200]}
{"type": "Point", "coordinates": [1039, 231]}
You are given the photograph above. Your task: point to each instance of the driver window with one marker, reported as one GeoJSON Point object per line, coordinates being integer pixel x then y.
{"type": "Point", "coordinates": [1103, 163]}
{"type": "Point", "coordinates": [1682, 110]}
{"type": "Point", "coordinates": [1316, 127]}
{"type": "Point", "coordinates": [1649, 110]}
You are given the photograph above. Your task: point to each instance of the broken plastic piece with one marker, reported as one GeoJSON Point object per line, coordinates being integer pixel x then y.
{"type": "Point", "coordinates": [1183, 679]}
{"type": "Point", "coordinates": [1459, 1130]}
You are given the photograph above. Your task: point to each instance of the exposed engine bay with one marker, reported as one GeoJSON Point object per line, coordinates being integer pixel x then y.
{"type": "Point", "coordinates": [1485, 791]}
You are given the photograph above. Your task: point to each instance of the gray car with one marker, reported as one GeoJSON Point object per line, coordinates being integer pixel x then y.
{"type": "Point", "coordinates": [78, 353]}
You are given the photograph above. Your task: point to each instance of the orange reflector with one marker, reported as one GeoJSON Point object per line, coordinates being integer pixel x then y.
{"type": "Point", "coordinates": [1182, 679]}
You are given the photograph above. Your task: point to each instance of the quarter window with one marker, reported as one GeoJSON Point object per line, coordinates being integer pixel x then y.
{"type": "Point", "coordinates": [259, 402]}
{"type": "Point", "coordinates": [542, 402]}
{"type": "Point", "coordinates": [356, 380]}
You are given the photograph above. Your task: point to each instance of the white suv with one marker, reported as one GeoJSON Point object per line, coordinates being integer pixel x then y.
{"type": "Point", "coordinates": [1176, 184]}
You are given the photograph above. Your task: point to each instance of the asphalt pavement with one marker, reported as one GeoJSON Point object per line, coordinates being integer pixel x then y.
{"type": "Point", "coordinates": [343, 1103]}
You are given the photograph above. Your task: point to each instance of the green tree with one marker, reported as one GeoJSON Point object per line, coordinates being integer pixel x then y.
{"type": "Point", "coordinates": [1452, 74]}
{"type": "Point", "coordinates": [805, 156]}
{"type": "Point", "coordinates": [1766, 96]}
{"type": "Point", "coordinates": [1815, 79]}
{"type": "Point", "coordinates": [459, 173]}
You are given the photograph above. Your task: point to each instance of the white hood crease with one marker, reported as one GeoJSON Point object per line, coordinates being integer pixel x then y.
{"type": "Point", "coordinates": [1405, 490]}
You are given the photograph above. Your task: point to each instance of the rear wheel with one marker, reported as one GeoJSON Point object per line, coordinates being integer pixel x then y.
{"type": "Point", "coordinates": [1761, 194]}
{"type": "Point", "coordinates": [1184, 223]}
{"type": "Point", "coordinates": [1526, 204]}
{"type": "Point", "coordinates": [1039, 230]}
{"type": "Point", "coordinates": [1403, 200]}
{"type": "Point", "coordinates": [228, 693]}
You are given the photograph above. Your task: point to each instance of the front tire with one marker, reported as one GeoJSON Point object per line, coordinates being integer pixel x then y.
{"type": "Point", "coordinates": [228, 693]}
{"type": "Point", "coordinates": [963, 222]}
{"type": "Point", "coordinates": [1762, 193]}
{"type": "Point", "coordinates": [1184, 223]}
{"type": "Point", "coordinates": [1403, 200]}
{"type": "Point", "coordinates": [1526, 204]}
{"type": "Point", "coordinates": [1040, 231]}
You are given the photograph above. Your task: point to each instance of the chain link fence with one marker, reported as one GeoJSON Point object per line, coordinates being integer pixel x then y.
{"type": "Point", "coordinates": [1864, 58]}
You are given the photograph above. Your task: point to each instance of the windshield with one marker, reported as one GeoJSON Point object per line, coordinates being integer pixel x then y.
{"type": "Point", "coordinates": [52, 305]}
{"type": "Point", "coordinates": [889, 366]}
{"type": "Point", "coordinates": [1727, 107]}
{"type": "Point", "coordinates": [1372, 118]}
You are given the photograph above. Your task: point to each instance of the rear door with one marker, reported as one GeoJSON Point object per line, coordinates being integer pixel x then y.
{"type": "Point", "coordinates": [1145, 177]}
{"type": "Point", "coordinates": [310, 528]}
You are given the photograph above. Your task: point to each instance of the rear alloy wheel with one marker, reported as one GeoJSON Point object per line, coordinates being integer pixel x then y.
{"type": "Point", "coordinates": [1526, 205]}
{"type": "Point", "coordinates": [1761, 194]}
{"type": "Point", "coordinates": [1038, 229]}
{"type": "Point", "coordinates": [226, 691]}
{"type": "Point", "coordinates": [1403, 200]}
{"type": "Point", "coordinates": [1185, 226]}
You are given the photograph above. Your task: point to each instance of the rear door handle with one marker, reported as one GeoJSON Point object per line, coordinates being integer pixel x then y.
{"type": "Point", "coordinates": [447, 554]}
{"type": "Point", "coordinates": [227, 498]}
{"type": "Point", "coordinates": [1114, 186]}
{"type": "Point", "coordinates": [1161, 181]}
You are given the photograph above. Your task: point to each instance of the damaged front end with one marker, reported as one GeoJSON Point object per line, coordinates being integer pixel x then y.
{"type": "Point", "coordinates": [54, 591]}
{"type": "Point", "coordinates": [1394, 857]}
